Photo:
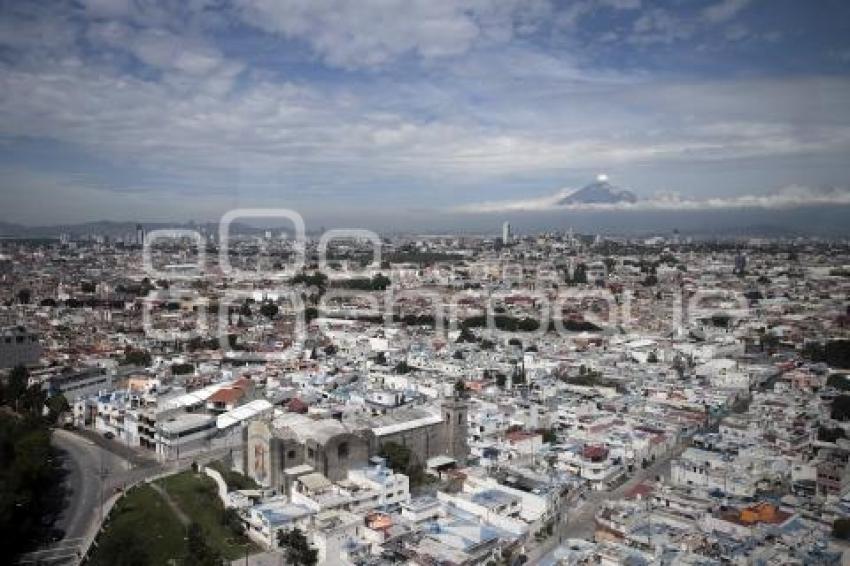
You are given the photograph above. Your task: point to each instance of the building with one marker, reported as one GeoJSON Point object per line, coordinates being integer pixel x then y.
{"type": "Point", "coordinates": [506, 233]}
{"type": "Point", "coordinates": [293, 440]}
{"type": "Point", "coordinates": [18, 347]}
{"type": "Point", "coordinates": [333, 447]}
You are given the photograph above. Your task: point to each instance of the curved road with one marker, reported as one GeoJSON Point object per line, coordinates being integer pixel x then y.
{"type": "Point", "coordinates": [85, 462]}
{"type": "Point", "coordinates": [96, 468]}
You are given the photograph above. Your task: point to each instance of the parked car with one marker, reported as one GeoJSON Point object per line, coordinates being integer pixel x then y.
{"type": "Point", "coordinates": [108, 435]}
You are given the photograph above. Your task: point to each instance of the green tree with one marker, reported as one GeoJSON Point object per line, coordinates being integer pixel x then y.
{"type": "Point", "coordinates": [460, 388]}
{"type": "Point", "coordinates": [135, 357]}
{"type": "Point", "coordinates": [380, 282]}
{"type": "Point", "coordinates": [298, 550]}
{"type": "Point", "coordinates": [33, 400]}
{"type": "Point", "coordinates": [398, 457]}
{"type": "Point", "coordinates": [269, 310]}
{"type": "Point", "coordinates": [57, 405]}
{"type": "Point", "coordinates": [198, 551]}
{"type": "Point", "coordinates": [841, 408]}
{"type": "Point", "coordinates": [27, 475]}
{"type": "Point", "coordinates": [17, 384]}
{"type": "Point", "coordinates": [231, 519]}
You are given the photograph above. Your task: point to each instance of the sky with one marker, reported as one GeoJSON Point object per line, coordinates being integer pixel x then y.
{"type": "Point", "coordinates": [371, 111]}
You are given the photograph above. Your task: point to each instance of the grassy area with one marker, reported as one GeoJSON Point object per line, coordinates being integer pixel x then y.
{"type": "Point", "coordinates": [142, 529]}
{"type": "Point", "coordinates": [233, 479]}
{"type": "Point", "coordinates": [196, 495]}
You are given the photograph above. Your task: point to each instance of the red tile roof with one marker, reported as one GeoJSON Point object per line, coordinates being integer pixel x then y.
{"type": "Point", "coordinates": [228, 395]}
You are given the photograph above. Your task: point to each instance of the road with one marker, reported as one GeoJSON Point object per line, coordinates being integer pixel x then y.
{"type": "Point", "coordinates": [84, 462]}
{"type": "Point", "coordinates": [579, 522]}
{"type": "Point", "coordinates": [94, 468]}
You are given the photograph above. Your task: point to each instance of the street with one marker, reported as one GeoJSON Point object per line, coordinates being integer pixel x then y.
{"type": "Point", "coordinates": [95, 469]}
{"type": "Point", "coordinates": [579, 521]}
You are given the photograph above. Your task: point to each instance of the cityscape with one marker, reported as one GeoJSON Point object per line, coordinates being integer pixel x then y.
{"type": "Point", "coordinates": [433, 283]}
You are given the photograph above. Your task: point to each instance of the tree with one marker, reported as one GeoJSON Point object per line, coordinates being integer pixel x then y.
{"type": "Point", "coordinates": [579, 275]}
{"type": "Point", "coordinates": [380, 282]}
{"type": "Point", "coordinates": [135, 357]}
{"type": "Point", "coordinates": [231, 519]}
{"type": "Point", "coordinates": [33, 401]}
{"type": "Point", "coordinates": [298, 550]}
{"type": "Point", "coordinates": [182, 369]}
{"type": "Point", "coordinates": [841, 408]}
{"type": "Point", "coordinates": [465, 335]}
{"type": "Point", "coordinates": [24, 296]}
{"type": "Point", "coordinates": [27, 476]}
{"type": "Point", "coordinates": [549, 436]}
{"type": "Point", "coordinates": [830, 434]}
{"type": "Point", "coordinates": [838, 381]}
{"type": "Point", "coordinates": [460, 388]}
{"type": "Point", "coordinates": [57, 405]}
{"type": "Point", "coordinates": [198, 551]}
{"type": "Point", "coordinates": [269, 310]}
{"type": "Point", "coordinates": [17, 385]}
{"type": "Point", "coordinates": [501, 379]}
{"type": "Point", "coordinates": [398, 457]}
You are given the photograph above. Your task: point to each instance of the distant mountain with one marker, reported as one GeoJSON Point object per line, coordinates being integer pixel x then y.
{"type": "Point", "coordinates": [599, 192]}
{"type": "Point", "coordinates": [117, 229]}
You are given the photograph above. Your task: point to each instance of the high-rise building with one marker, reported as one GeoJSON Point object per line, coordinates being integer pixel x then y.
{"type": "Point", "coordinates": [140, 235]}
{"type": "Point", "coordinates": [506, 233]}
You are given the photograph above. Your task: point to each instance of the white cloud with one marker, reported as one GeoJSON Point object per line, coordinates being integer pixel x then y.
{"type": "Point", "coordinates": [189, 112]}
{"type": "Point", "coordinates": [368, 33]}
{"type": "Point", "coordinates": [724, 10]}
{"type": "Point", "coordinates": [786, 197]}
{"type": "Point", "coordinates": [195, 127]}
{"type": "Point", "coordinates": [622, 4]}
{"type": "Point", "coordinates": [660, 26]}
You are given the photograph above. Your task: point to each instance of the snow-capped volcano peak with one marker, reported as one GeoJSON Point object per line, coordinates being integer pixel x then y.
{"type": "Point", "coordinates": [599, 192]}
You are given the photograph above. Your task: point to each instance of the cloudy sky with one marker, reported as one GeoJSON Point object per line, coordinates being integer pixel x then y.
{"type": "Point", "coordinates": [175, 110]}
